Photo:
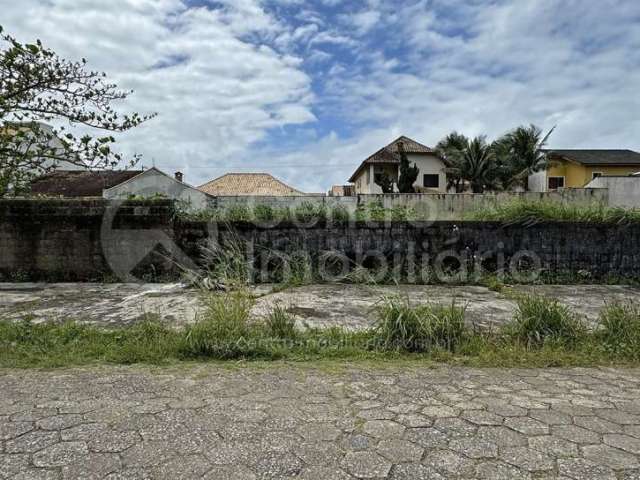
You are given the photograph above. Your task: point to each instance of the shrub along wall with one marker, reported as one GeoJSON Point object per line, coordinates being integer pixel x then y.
{"type": "Point", "coordinates": [90, 240]}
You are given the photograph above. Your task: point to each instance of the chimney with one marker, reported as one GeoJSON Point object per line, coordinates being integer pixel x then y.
{"type": "Point", "coordinates": [179, 176]}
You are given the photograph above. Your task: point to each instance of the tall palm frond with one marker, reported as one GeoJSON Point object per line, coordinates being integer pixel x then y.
{"type": "Point", "coordinates": [521, 153]}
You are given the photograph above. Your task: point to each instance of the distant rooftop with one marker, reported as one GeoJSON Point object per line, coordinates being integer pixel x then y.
{"type": "Point", "coordinates": [80, 183]}
{"type": "Point", "coordinates": [598, 157]}
{"type": "Point", "coordinates": [391, 153]}
{"type": "Point", "coordinates": [258, 184]}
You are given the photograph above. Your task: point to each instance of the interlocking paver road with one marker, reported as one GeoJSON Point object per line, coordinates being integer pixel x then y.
{"type": "Point", "coordinates": [297, 422]}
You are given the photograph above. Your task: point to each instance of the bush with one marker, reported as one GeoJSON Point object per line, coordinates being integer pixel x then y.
{"type": "Point", "coordinates": [238, 213]}
{"type": "Point", "coordinates": [540, 320]}
{"type": "Point", "coordinates": [403, 327]}
{"type": "Point", "coordinates": [308, 212]}
{"type": "Point", "coordinates": [402, 213]}
{"type": "Point", "coordinates": [620, 329]}
{"type": "Point", "coordinates": [224, 331]}
{"type": "Point", "coordinates": [281, 324]}
{"type": "Point", "coordinates": [339, 214]}
{"type": "Point", "coordinates": [264, 213]}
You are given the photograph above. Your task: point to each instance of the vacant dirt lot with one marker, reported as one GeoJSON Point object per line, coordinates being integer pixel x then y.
{"type": "Point", "coordinates": [315, 305]}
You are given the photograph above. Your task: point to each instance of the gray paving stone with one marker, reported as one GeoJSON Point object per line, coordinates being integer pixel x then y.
{"type": "Point", "coordinates": [93, 466]}
{"type": "Point", "coordinates": [449, 463]}
{"type": "Point", "coordinates": [278, 421]}
{"type": "Point", "coordinates": [400, 451]}
{"type": "Point", "coordinates": [383, 429]}
{"type": "Point", "coordinates": [496, 470]}
{"type": "Point", "coordinates": [581, 469]}
{"type": "Point", "coordinates": [31, 442]}
{"type": "Point", "coordinates": [558, 447]}
{"type": "Point", "coordinates": [611, 457]}
{"type": "Point", "coordinates": [228, 472]}
{"type": "Point", "coordinates": [323, 473]}
{"type": "Point", "coordinates": [414, 472]}
{"type": "Point", "coordinates": [526, 425]}
{"type": "Point", "coordinates": [623, 442]}
{"type": "Point", "coordinates": [575, 434]}
{"type": "Point", "coordinates": [597, 424]}
{"type": "Point", "coordinates": [9, 430]}
{"type": "Point", "coordinates": [60, 454]}
{"type": "Point", "coordinates": [502, 436]}
{"type": "Point", "coordinates": [527, 459]}
{"type": "Point", "coordinates": [474, 447]}
{"type": "Point", "coordinates": [366, 465]}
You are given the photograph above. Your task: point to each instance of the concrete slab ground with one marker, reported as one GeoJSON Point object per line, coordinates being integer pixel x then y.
{"type": "Point", "coordinates": [350, 306]}
{"type": "Point", "coordinates": [282, 421]}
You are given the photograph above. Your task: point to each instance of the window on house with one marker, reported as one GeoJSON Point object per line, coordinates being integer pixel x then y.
{"type": "Point", "coordinates": [431, 181]}
{"type": "Point", "coordinates": [556, 182]}
{"type": "Point", "coordinates": [596, 175]}
{"type": "Point", "coordinates": [377, 173]}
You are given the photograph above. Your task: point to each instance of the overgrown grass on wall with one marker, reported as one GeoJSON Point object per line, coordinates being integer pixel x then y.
{"type": "Point", "coordinates": [541, 334]}
{"type": "Point", "coordinates": [547, 211]}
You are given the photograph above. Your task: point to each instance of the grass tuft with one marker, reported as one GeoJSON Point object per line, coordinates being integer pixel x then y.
{"type": "Point", "coordinates": [418, 329]}
{"type": "Point", "coordinates": [224, 330]}
{"type": "Point", "coordinates": [539, 321]}
{"type": "Point", "coordinates": [281, 324]}
{"type": "Point", "coordinates": [620, 329]}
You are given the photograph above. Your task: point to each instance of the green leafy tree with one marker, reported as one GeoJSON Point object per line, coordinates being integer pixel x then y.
{"type": "Point", "coordinates": [38, 87]}
{"type": "Point", "coordinates": [408, 174]}
{"type": "Point", "coordinates": [385, 182]}
{"type": "Point", "coordinates": [521, 153]}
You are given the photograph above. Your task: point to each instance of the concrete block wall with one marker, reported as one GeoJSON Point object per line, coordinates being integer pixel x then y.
{"type": "Point", "coordinates": [429, 206]}
{"type": "Point", "coordinates": [87, 240]}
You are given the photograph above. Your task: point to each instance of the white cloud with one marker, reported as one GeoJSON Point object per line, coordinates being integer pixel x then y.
{"type": "Point", "coordinates": [225, 94]}
{"type": "Point", "coordinates": [481, 67]}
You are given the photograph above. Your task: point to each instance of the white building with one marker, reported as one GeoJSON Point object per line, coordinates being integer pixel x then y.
{"type": "Point", "coordinates": [432, 177]}
{"type": "Point", "coordinates": [153, 182]}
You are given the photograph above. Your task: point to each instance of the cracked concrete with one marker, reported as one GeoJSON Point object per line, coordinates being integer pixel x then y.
{"type": "Point", "coordinates": [284, 421]}
{"type": "Point", "coordinates": [350, 306]}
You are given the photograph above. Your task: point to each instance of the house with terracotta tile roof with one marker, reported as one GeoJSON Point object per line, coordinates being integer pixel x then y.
{"type": "Point", "coordinates": [249, 184]}
{"type": "Point", "coordinates": [432, 177]}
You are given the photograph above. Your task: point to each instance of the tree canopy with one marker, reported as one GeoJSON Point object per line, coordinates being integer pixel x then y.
{"type": "Point", "coordinates": [477, 165]}
{"type": "Point", "coordinates": [42, 98]}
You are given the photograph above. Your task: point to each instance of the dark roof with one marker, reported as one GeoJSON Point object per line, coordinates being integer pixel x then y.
{"type": "Point", "coordinates": [391, 153]}
{"type": "Point", "coordinates": [79, 183]}
{"type": "Point", "coordinates": [599, 157]}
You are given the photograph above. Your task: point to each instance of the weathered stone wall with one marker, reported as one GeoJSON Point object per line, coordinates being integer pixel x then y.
{"type": "Point", "coordinates": [67, 239]}
{"type": "Point", "coordinates": [577, 250]}
{"type": "Point", "coordinates": [91, 240]}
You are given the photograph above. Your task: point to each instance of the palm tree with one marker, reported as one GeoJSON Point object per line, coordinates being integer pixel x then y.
{"type": "Point", "coordinates": [521, 153]}
{"type": "Point", "coordinates": [479, 164]}
{"type": "Point", "coordinates": [451, 149]}
{"type": "Point", "coordinates": [471, 162]}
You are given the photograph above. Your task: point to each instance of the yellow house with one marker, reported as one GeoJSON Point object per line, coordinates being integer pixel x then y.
{"type": "Point", "coordinates": [576, 168]}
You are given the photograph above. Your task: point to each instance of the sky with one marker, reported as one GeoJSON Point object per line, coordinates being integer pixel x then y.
{"type": "Point", "coordinates": [306, 90]}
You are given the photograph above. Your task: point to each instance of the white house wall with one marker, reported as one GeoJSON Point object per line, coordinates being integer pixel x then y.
{"type": "Point", "coordinates": [153, 182]}
{"type": "Point", "coordinates": [429, 165]}
{"type": "Point", "coordinates": [538, 181]}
